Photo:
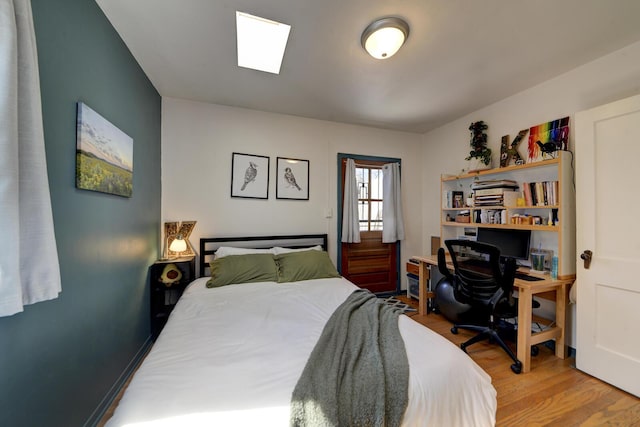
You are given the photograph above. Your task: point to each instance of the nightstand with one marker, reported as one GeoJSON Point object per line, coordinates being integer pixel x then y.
{"type": "Point", "coordinates": [167, 279]}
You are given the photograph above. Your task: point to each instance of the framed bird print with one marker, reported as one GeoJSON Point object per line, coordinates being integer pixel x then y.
{"type": "Point", "coordinates": [249, 176]}
{"type": "Point", "coordinates": [292, 179]}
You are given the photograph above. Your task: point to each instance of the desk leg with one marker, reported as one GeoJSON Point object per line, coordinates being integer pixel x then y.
{"type": "Point", "coordinates": [423, 276]}
{"type": "Point", "coordinates": [561, 320]}
{"type": "Point", "coordinates": [525, 300]}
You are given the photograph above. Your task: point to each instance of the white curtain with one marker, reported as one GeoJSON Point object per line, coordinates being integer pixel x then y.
{"type": "Point", "coordinates": [29, 269]}
{"type": "Point", "coordinates": [350, 219]}
{"type": "Point", "coordinates": [392, 223]}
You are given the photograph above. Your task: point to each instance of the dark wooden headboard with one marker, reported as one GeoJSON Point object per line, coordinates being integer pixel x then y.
{"type": "Point", "coordinates": [209, 245]}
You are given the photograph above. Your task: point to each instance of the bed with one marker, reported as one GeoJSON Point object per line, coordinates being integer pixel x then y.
{"type": "Point", "coordinates": [232, 355]}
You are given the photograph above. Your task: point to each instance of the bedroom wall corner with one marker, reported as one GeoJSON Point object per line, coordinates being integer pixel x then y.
{"type": "Point", "coordinates": [60, 358]}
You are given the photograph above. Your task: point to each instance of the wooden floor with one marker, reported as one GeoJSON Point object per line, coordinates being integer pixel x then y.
{"type": "Point", "coordinates": [553, 393]}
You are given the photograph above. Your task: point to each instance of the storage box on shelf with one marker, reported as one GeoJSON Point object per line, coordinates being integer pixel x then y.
{"type": "Point", "coordinates": [549, 212]}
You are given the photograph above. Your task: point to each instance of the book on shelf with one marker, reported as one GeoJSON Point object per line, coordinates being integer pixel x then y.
{"type": "Point", "coordinates": [502, 198]}
{"type": "Point", "coordinates": [494, 183]}
{"type": "Point", "coordinates": [548, 188]}
{"type": "Point", "coordinates": [486, 204]}
{"type": "Point", "coordinates": [542, 193]}
{"type": "Point", "coordinates": [488, 196]}
{"type": "Point", "coordinates": [453, 199]}
{"type": "Point", "coordinates": [497, 199]}
{"type": "Point", "coordinates": [492, 191]}
{"type": "Point", "coordinates": [526, 191]}
{"type": "Point", "coordinates": [447, 199]}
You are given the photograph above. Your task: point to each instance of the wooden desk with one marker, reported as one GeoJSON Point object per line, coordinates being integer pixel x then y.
{"type": "Point", "coordinates": [527, 338]}
{"type": "Point", "coordinates": [526, 291]}
{"type": "Point", "coordinates": [423, 276]}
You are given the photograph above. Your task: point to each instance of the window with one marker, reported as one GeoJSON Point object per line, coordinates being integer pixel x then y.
{"type": "Point", "coordinates": [369, 180]}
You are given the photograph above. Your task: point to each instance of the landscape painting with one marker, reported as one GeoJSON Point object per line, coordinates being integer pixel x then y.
{"type": "Point", "coordinates": [104, 155]}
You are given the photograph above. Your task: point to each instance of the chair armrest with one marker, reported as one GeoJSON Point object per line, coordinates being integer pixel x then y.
{"type": "Point", "coordinates": [495, 299]}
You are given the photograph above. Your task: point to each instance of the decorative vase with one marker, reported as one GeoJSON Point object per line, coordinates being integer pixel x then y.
{"type": "Point", "coordinates": [470, 201]}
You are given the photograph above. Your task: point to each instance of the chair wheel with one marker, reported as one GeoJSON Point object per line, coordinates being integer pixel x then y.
{"type": "Point", "coordinates": [535, 350]}
{"type": "Point", "coordinates": [454, 330]}
{"type": "Point", "coordinates": [517, 367]}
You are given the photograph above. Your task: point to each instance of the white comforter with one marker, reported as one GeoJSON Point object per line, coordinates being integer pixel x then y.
{"type": "Point", "coordinates": [231, 356]}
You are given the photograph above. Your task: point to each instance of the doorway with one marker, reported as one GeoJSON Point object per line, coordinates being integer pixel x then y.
{"type": "Point", "coordinates": [608, 293]}
{"type": "Point", "coordinates": [370, 264]}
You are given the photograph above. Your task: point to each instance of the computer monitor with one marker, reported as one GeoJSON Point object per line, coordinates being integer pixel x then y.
{"type": "Point", "coordinates": [512, 243]}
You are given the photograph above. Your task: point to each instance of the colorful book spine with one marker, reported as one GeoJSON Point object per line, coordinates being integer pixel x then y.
{"type": "Point", "coordinates": [540, 198]}
{"type": "Point", "coordinates": [544, 193]}
{"type": "Point", "coordinates": [526, 191]}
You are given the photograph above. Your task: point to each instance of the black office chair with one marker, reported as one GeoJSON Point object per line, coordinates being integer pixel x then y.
{"type": "Point", "coordinates": [481, 284]}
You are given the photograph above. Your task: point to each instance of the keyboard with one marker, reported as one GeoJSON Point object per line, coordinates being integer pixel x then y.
{"type": "Point", "coordinates": [524, 276]}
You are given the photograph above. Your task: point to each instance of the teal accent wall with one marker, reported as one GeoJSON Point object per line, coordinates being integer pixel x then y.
{"type": "Point", "coordinates": [60, 358]}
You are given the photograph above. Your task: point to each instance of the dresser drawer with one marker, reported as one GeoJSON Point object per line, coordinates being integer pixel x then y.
{"type": "Point", "coordinates": [413, 268]}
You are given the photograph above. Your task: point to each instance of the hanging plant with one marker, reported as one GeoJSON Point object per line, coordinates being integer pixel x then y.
{"type": "Point", "coordinates": [479, 149]}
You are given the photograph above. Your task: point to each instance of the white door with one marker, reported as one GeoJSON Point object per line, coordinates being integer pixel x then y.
{"type": "Point", "coordinates": [608, 224]}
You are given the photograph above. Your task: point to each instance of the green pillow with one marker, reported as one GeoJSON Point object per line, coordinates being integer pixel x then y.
{"type": "Point", "coordinates": [306, 265]}
{"type": "Point", "coordinates": [235, 269]}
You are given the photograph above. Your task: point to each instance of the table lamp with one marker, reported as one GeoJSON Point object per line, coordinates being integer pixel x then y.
{"type": "Point", "coordinates": [178, 245]}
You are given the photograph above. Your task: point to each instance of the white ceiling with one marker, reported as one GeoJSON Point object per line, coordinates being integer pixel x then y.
{"type": "Point", "coordinates": [461, 55]}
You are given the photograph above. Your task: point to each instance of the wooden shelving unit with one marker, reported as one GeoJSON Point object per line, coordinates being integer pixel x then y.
{"type": "Point", "coordinates": [559, 237]}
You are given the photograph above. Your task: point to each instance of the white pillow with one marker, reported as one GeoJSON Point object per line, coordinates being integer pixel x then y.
{"type": "Point", "coordinates": [277, 250]}
{"type": "Point", "coordinates": [224, 251]}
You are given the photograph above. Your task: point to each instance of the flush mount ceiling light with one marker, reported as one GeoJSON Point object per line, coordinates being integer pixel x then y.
{"type": "Point", "coordinates": [261, 42]}
{"type": "Point", "coordinates": [384, 37]}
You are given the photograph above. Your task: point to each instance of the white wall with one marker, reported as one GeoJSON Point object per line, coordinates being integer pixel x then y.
{"type": "Point", "coordinates": [198, 140]}
{"type": "Point", "coordinates": [607, 79]}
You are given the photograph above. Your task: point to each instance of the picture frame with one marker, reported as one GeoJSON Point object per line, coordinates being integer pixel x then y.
{"type": "Point", "coordinates": [292, 179]}
{"type": "Point", "coordinates": [458, 199]}
{"type": "Point", "coordinates": [104, 154]}
{"type": "Point", "coordinates": [249, 176]}
{"type": "Point", "coordinates": [546, 139]}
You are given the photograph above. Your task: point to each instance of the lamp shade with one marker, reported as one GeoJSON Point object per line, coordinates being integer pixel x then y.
{"type": "Point", "coordinates": [178, 245]}
{"type": "Point", "coordinates": [384, 37]}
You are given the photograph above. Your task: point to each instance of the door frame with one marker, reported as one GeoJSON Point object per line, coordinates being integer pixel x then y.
{"type": "Point", "coordinates": [341, 157]}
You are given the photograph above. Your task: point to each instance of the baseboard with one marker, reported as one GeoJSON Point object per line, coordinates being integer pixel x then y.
{"type": "Point", "coordinates": [551, 344]}
{"type": "Point", "coordinates": [108, 399]}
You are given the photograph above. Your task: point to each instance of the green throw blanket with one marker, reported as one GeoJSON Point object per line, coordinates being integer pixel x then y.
{"type": "Point", "coordinates": [358, 372]}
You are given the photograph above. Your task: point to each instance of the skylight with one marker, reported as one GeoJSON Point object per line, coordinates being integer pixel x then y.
{"type": "Point", "coordinates": [261, 42]}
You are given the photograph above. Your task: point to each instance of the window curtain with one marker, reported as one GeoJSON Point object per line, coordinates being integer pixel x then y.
{"type": "Point", "coordinates": [29, 269]}
{"type": "Point", "coordinates": [392, 223]}
{"type": "Point", "coordinates": [350, 218]}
